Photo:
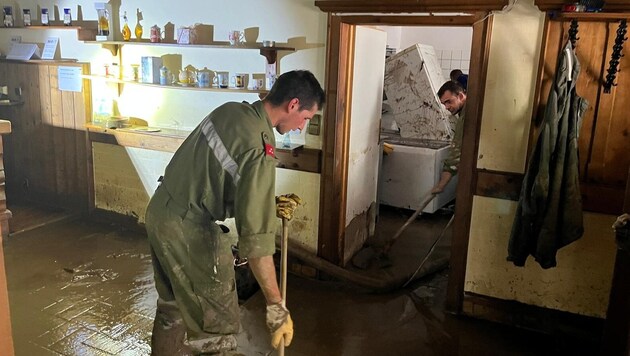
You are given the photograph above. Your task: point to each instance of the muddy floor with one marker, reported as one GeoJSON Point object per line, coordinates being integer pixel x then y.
{"type": "Point", "coordinates": [80, 287]}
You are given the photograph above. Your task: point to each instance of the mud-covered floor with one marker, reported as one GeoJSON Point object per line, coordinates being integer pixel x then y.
{"type": "Point", "coordinates": [80, 287]}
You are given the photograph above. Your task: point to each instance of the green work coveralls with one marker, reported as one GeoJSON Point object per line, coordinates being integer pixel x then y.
{"type": "Point", "coordinates": [225, 168]}
{"type": "Point", "coordinates": [451, 163]}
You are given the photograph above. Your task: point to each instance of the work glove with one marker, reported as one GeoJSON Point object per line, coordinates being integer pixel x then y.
{"type": "Point", "coordinates": [286, 204]}
{"type": "Point", "coordinates": [280, 324]}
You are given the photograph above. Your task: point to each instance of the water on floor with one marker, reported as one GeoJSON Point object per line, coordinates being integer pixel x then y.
{"type": "Point", "coordinates": [78, 287]}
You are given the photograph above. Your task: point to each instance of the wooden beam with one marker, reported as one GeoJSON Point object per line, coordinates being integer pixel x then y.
{"type": "Point", "coordinates": [409, 6]}
{"type": "Point", "coordinates": [386, 20]}
{"type": "Point", "coordinates": [467, 183]}
{"type": "Point", "coordinates": [500, 185]}
{"type": "Point", "coordinates": [336, 139]}
{"type": "Point", "coordinates": [532, 317]}
{"type": "Point", "coordinates": [610, 6]}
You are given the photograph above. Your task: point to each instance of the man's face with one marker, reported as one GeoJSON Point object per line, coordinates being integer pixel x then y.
{"type": "Point", "coordinates": [295, 118]}
{"type": "Point", "coordinates": [453, 103]}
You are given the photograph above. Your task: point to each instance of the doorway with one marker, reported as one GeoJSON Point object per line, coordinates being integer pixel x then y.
{"type": "Point", "coordinates": [417, 130]}
{"type": "Point", "coordinates": [333, 194]}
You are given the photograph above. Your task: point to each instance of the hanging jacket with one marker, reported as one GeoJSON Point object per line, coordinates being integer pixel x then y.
{"type": "Point", "coordinates": [549, 212]}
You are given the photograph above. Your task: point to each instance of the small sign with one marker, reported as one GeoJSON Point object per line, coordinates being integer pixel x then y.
{"type": "Point", "coordinates": [23, 51]}
{"type": "Point", "coordinates": [51, 48]}
{"type": "Point", "coordinates": [70, 78]}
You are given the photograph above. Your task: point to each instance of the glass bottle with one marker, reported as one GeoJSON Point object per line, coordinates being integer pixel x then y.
{"type": "Point", "coordinates": [27, 17]}
{"type": "Point", "coordinates": [45, 17]}
{"type": "Point", "coordinates": [103, 22]}
{"type": "Point", "coordinates": [126, 32]}
{"type": "Point", "coordinates": [67, 17]}
{"type": "Point", "coordinates": [138, 29]}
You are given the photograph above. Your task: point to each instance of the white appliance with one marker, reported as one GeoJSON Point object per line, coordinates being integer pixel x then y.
{"type": "Point", "coordinates": [411, 170]}
{"type": "Point", "coordinates": [412, 79]}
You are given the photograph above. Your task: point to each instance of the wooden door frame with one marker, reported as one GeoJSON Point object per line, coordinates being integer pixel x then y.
{"type": "Point", "coordinates": [334, 175]}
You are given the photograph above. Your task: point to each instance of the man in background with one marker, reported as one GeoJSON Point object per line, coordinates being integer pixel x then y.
{"type": "Point", "coordinates": [453, 96]}
{"type": "Point", "coordinates": [458, 76]}
{"type": "Point", "coordinates": [225, 168]}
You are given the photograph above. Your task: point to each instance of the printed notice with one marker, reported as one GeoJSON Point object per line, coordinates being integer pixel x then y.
{"type": "Point", "coordinates": [50, 48]}
{"type": "Point", "coordinates": [23, 51]}
{"type": "Point", "coordinates": [70, 78]}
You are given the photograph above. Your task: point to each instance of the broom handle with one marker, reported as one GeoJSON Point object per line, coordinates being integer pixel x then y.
{"type": "Point", "coordinates": [284, 247]}
{"type": "Point", "coordinates": [413, 217]}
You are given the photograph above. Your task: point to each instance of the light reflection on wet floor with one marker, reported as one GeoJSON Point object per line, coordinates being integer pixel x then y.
{"type": "Point", "coordinates": [85, 288]}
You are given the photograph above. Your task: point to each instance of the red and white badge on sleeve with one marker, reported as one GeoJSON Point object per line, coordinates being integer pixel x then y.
{"type": "Point", "coordinates": [269, 151]}
{"type": "Point", "coordinates": [269, 147]}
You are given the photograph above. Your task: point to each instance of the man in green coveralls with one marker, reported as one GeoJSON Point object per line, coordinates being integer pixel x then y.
{"type": "Point", "coordinates": [453, 96]}
{"type": "Point", "coordinates": [225, 168]}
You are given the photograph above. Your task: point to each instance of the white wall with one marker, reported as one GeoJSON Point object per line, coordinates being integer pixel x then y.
{"type": "Point", "coordinates": [297, 22]}
{"type": "Point", "coordinates": [452, 44]}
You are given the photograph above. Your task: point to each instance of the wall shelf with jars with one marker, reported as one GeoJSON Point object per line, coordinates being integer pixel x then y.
{"type": "Point", "coordinates": [175, 86]}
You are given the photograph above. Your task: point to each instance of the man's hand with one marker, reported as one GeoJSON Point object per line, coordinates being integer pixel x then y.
{"type": "Point", "coordinates": [280, 324]}
{"type": "Point", "coordinates": [286, 204]}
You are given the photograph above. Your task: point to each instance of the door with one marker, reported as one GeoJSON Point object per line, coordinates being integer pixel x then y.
{"type": "Point", "coordinates": [364, 114]}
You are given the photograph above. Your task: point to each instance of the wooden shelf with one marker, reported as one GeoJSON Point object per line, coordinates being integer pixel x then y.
{"type": "Point", "coordinates": [42, 61]}
{"type": "Point", "coordinates": [57, 25]}
{"type": "Point", "coordinates": [590, 16]}
{"type": "Point", "coordinates": [218, 45]}
{"type": "Point", "coordinates": [213, 89]}
{"type": "Point", "coordinates": [169, 140]}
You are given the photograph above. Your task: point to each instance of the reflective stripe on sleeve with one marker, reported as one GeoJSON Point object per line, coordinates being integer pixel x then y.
{"type": "Point", "coordinates": [220, 152]}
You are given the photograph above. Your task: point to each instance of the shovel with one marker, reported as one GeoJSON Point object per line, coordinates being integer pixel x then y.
{"type": "Point", "coordinates": [363, 258]}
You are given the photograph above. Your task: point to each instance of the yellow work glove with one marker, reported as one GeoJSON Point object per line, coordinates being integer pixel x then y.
{"type": "Point", "coordinates": [280, 324]}
{"type": "Point", "coordinates": [286, 204]}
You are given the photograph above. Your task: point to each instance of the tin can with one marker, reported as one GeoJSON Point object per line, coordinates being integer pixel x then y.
{"type": "Point", "coordinates": [164, 74]}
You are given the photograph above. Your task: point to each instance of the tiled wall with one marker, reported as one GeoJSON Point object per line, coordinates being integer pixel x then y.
{"type": "Point", "coordinates": [453, 59]}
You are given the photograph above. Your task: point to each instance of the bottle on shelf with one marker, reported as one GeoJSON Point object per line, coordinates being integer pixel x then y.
{"type": "Point", "coordinates": [8, 16]}
{"type": "Point", "coordinates": [103, 22]}
{"type": "Point", "coordinates": [67, 17]}
{"type": "Point", "coordinates": [27, 17]}
{"type": "Point", "coordinates": [126, 32]}
{"type": "Point", "coordinates": [138, 29]}
{"type": "Point", "coordinates": [45, 19]}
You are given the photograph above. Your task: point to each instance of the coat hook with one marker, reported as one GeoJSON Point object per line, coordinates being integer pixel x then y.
{"type": "Point", "coordinates": [616, 55]}
{"type": "Point", "coordinates": [573, 31]}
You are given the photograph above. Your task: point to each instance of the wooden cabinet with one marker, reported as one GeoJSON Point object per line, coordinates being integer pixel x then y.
{"type": "Point", "coordinates": [47, 154]}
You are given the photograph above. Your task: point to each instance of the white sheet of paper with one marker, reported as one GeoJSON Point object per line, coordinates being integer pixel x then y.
{"type": "Point", "coordinates": [70, 78]}
{"type": "Point", "coordinates": [23, 51]}
{"type": "Point", "coordinates": [50, 48]}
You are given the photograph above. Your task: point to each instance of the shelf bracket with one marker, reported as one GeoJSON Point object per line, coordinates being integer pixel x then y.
{"type": "Point", "coordinates": [111, 47]}
{"type": "Point", "coordinates": [270, 53]}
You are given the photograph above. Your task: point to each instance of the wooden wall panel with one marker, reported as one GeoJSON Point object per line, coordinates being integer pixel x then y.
{"type": "Point", "coordinates": [591, 52]}
{"type": "Point", "coordinates": [604, 136]}
{"type": "Point", "coordinates": [609, 159]}
{"type": "Point", "coordinates": [46, 134]}
{"type": "Point", "coordinates": [48, 160]}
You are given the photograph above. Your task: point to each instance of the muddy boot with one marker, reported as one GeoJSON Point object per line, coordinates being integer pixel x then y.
{"type": "Point", "coordinates": [169, 332]}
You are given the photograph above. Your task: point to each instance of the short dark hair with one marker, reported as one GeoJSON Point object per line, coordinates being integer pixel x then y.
{"type": "Point", "coordinates": [300, 84]}
{"type": "Point", "coordinates": [455, 73]}
{"type": "Point", "coordinates": [453, 87]}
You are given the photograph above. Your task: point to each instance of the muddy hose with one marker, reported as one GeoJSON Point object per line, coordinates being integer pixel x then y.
{"type": "Point", "coordinates": [379, 285]}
